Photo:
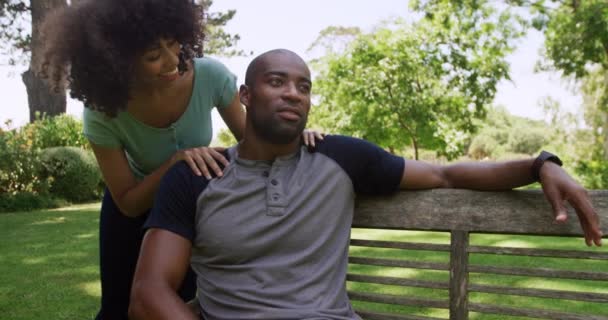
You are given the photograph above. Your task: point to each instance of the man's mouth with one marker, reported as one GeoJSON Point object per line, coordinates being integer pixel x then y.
{"type": "Point", "coordinates": [289, 114]}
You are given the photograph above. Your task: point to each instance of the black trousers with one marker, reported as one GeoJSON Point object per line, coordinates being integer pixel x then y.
{"type": "Point", "coordinates": [120, 238]}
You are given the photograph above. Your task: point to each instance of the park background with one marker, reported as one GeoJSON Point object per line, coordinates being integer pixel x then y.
{"type": "Point", "coordinates": [512, 78]}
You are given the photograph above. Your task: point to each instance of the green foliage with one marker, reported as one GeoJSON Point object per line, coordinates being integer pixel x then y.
{"type": "Point", "coordinates": [15, 38]}
{"type": "Point", "coordinates": [576, 44]}
{"type": "Point", "coordinates": [19, 164]}
{"type": "Point", "coordinates": [576, 36]}
{"type": "Point", "coordinates": [225, 138]}
{"type": "Point", "coordinates": [74, 173]}
{"type": "Point", "coordinates": [505, 136]}
{"type": "Point", "coordinates": [419, 84]}
{"type": "Point", "coordinates": [29, 180]}
{"type": "Point", "coordinates": [26, 201]}
{"type": "Point", "coordinates": [526, 140]}
{"type": "Point", "coordinates": [58, 131]}
{"type": "Point", "coordinates": [218, 41]}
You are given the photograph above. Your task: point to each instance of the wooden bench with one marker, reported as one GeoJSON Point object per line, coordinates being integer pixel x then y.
{"type": "Point", "coordinates": [462, 213]}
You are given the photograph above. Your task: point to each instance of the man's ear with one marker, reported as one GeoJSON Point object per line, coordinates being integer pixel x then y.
{"type": "Point", "coordinates": [244, 95]}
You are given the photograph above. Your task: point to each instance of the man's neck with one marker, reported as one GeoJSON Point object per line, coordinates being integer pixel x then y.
{"type": "Point", "coordinates": [256, 149]}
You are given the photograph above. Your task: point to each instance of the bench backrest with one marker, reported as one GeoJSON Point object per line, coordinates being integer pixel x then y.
{"type": "Point", "coordinates": [462, 213]}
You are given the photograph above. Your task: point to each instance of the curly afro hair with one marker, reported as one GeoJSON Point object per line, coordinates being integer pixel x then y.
{"type": "Point", "coordinates": [91, 46]}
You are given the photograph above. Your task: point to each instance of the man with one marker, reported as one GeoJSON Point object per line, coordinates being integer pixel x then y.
{"type": "Point", "coordinates": [269, 239]}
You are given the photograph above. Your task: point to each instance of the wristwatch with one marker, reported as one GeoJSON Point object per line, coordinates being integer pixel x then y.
{"type": "Point", "coordinates": [540, 160]}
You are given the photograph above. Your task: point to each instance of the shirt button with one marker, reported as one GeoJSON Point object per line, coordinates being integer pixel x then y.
{"type": "Point", "coordinates": [265, 174]}
{"type": "Point", "coordinates": [275, 197]}
{"type": "Point", "coordinates": [274, 182]}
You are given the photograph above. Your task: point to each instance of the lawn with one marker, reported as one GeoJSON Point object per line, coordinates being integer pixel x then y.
{"type": "Point", "coordinates": [48, 262]}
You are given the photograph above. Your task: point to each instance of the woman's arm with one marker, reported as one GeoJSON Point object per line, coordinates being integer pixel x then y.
{"type": "Point", "coordinates": [131, 196]}
{"type": "Point", "coordinates": [134, 197]}
{"type": "Point", "coordinates": [234, 117]}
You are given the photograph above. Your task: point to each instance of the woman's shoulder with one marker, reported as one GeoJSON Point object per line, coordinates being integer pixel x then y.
{"type": "Point", "coordinates": [212, 67]}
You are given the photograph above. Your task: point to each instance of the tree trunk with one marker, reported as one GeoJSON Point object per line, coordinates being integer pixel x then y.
{"type": "Point", "coordinates": [41, 99]}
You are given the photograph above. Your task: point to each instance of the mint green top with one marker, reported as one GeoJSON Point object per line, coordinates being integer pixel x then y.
{"type": "Point", "coordinates": [147, 147]}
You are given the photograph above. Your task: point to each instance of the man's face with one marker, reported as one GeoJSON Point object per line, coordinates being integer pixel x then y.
{"type": "Point", "coordinates": [278, 101]}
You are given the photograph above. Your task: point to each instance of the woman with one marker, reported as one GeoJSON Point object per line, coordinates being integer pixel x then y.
{"type": "Point", "coordinates": [148, 98]}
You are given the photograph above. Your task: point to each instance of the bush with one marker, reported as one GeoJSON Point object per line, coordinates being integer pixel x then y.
{"type": "Point", "coordinates": [74, 173]}
{"type": "Point", "coordinates": [26, 201]}
{"type": "Point", "coordinates": [58, 131]}
{"type": "Point", "coordinates": [527, 140]}
{"type": "Point", "coordinates": [19, 163]}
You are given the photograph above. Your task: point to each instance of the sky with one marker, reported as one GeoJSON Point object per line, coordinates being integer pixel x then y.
{"type": "Point", "coordinates": [269, 24]}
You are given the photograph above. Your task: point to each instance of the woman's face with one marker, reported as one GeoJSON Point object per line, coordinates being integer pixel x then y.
{"type": "Point", "coordinates": [157, 66]}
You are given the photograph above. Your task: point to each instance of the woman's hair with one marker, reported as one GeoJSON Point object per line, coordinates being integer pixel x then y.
{"type": "Point", "coordinates": [91, 47]}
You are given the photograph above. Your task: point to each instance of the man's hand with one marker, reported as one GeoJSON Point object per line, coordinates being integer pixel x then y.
{"type": "Point", "coordinates": [559, 187]}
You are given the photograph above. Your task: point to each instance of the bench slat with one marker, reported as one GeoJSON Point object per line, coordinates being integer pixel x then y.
{"type": "Point", "coordinates": [512, 212]}
{"type": "Point", "coordinates": [533, 313]}
{"type": "Point", "coordinates": [541, 293]}
{"type": "Point", "coordinates": [570, 254]}
{"type": "Point", "coordinates": [398, 300]}
{"type": "Point", "coordinates": [400, 245]}
{"type": "Point", "coordinates": [399, 263]}
{"type": "Point", "coordinates": [397, 281]}
{"type": "Point", "coordinates": [541, 272]}
{"type": "Point", "coordinates": [370, 315]}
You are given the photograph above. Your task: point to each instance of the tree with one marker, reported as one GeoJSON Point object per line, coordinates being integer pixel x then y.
{"type": "Point", "coordinates": [420, 84]}
{"type": "Point", "coordinates": [576, 44]}
{"type": "Point", "coordinates": [22, 43]}
{"type": "Point", "coordinates": [41, 98]}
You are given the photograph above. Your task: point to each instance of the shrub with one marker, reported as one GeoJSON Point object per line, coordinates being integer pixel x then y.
{"type": "Point", "coordinates": [527, 140]}
{"type": "Point", "coordinates": [58, 131]}
{"type": "Point", "coordinates": [74, 173]}
{"type": "Point", "coordinates": [19, 163]}
{"type": "Point", "coordinates": [26, 201]}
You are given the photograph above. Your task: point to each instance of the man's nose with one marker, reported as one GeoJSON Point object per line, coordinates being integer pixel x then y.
{"type": "Point", "coordinates": [291, 92]}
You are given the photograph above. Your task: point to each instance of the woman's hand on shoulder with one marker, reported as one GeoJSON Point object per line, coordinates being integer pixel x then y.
{"type": "Point", "coordinates": [310, 136]}
{"type": "Point", "coordinates": [202, 160]}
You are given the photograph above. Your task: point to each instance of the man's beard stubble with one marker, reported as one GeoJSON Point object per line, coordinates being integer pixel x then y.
{"type": "Point", "coordinates": [275, 132]}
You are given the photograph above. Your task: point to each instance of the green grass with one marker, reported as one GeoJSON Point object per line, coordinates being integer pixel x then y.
{"type": "Point", "coordinates": [600, 309]}
{"type": "Point", "coordinates": [49, 264]}
{"type": "Point", "coordinates": [49, 268]}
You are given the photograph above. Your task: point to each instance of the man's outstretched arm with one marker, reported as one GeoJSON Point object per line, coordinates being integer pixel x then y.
{"type": "Point", "coordinates": [557, 185]}
{"type": "Point", "coordinates": [163, 262]}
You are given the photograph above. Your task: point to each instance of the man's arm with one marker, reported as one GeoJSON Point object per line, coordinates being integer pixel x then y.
{"type": "Point", "coordinates": [163, 262]}
{"type": "Point", "coordinates": [557, 185]}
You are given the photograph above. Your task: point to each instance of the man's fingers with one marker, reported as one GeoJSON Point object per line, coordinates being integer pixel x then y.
{"type": "Point", "coordinates": [557, 203]}
{"type": "Point", "coordinates": [589, 220]}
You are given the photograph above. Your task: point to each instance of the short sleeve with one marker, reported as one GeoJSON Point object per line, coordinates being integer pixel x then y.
{"type": "Point", "coordinates": [224, 80]}
{"type": "Point", "coordinates": [97, 129]}
{"type": "Point", "coordinates": [371, 169]}
{"type": "Point", "coordinates": [174, 206]}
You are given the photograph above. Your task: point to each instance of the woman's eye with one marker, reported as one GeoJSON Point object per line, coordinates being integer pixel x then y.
{"type": "Point", "coordinates": [153, 58]}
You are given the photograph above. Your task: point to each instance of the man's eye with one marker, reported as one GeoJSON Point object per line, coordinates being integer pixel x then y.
{"type": "Point", "coordinates": [305, 88]}
{"type": "Point", "coordinates": [275, 82]}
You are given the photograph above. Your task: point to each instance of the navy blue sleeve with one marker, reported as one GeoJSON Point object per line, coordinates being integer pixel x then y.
{"type": "Point", "coordinates": [174, 206]}
{"type": "Point", "coordinates": [371, 169]}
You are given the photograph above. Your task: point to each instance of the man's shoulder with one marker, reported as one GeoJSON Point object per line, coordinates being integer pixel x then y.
{"type": "Point", "coordinates": [339, 144]}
